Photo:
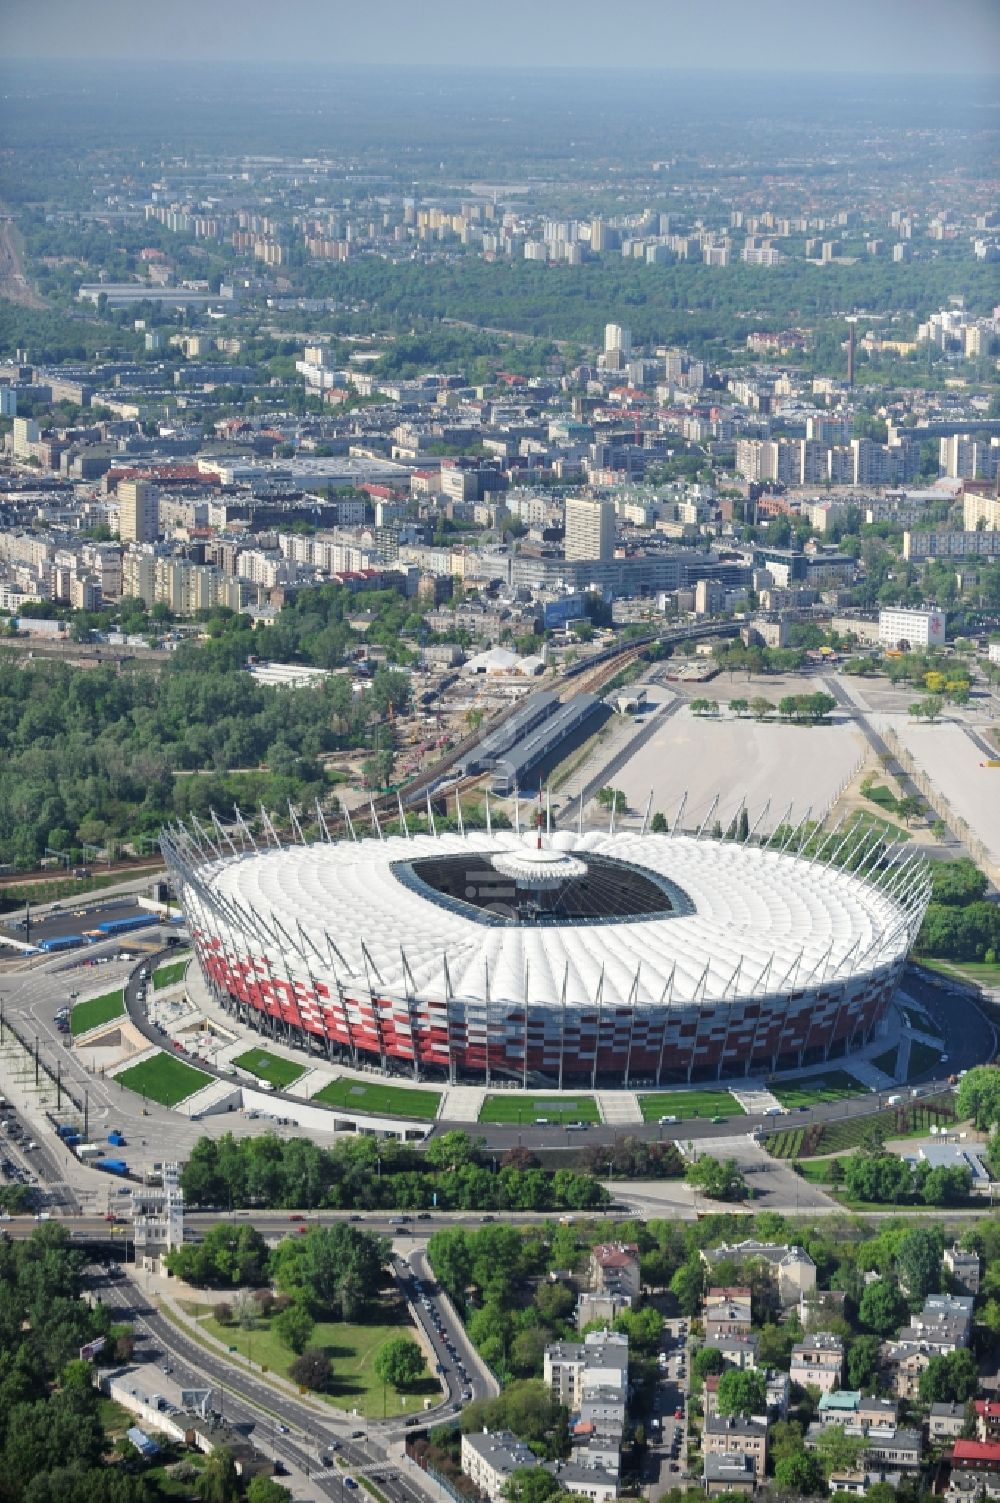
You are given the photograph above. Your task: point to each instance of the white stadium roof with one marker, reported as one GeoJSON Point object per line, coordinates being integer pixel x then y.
{"type": "Point", "coordinates": [757, 919]}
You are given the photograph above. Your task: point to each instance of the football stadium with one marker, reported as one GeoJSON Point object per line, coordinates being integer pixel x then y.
{"type": "Point", "coordinates": [553, 959]}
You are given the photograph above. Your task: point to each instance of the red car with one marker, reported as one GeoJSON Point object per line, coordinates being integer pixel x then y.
{"type": "Point", "coordinates": [296, 1217]}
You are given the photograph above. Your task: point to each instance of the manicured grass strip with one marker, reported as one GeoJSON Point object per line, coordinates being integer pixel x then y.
{"type": "Point", "coordinates": [352, 1349]}
{"type": "Point", "coordinates": [977, 972]}
{"type": "Point", "coordinates": [687, 1104]}
{"type": "Point", "coordinates": [170, 974]}
{"type": "Point", "coordinates": [887, 1062]}
{"type": "Point", "coordinates": [532, 1109]}
{"type": "Point", "coordinates": [280, 1072]}
{"type": "Point", "coordinates": [164, 1079]}
{"type": "Point", "coordinates": [832, 1085]}
{"type": "Point", "coordinates": [786, 1144]}
{"type": "Point", "coordinates": [98, 1010]}
{"type": "Point", "coordinates": [924, 1058]}
{"type": "Point", "coordinates": [383, 1100]}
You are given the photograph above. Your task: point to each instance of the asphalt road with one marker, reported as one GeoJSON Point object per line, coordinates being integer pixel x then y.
{"type": "Point", "coordinates": [277, 1423]}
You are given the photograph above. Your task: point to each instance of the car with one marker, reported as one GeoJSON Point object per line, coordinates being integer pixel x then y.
{"type": "Point", "coordinates": [409, 1423]}
{"type": "Point", "coordinates": [303, 1231]}
{"type": "Point", "coordinates": [296, 1217]}
{"type": "Point", "coordinates": [716, 1120]}
{"type": "Point", "coordinates": [488, 1219]}
{"type": "Point", "coordinates": [399, 1231]}
{"type": "Point", "coordinates": [357, 1435]}
{"type": "Point", "coordinates": [281, 1429]}
{"type": "Point", "coordinates": [350, 1482]}
{"type": "Point", "coordinates": [944, 1059]}
{"type": "Point", "coordinates": [168, 1368]}
{"type": "Point", "coordinates": [678, 1414]}
{"type": "Point", "coordinates": [667, 1121]}
{"type": "Point", "coordinates": [423, 1215]}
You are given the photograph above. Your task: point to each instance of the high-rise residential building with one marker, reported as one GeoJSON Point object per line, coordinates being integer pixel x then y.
{"type": "Point", "coordinates": [139, 512]}
{"type": "Point", "coordinates": [26, 433]}
{"type": "Point", "coordinates": [590, 529]}
{"type": "Point", "coordinates": [618, 340]}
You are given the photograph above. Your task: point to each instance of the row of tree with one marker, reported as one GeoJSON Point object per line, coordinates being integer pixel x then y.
{"type": "Point", "coordinates": [453, 1171]}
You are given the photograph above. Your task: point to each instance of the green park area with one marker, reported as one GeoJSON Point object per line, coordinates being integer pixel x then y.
{"type": "Point", "coordinates": [170, 974]}
{"type": "Point", "coordinates": [380, 1100]}
{"type": "Point", "coordinates": [95, 1011]}
{"type": "Point", "coordinates": [812, 1090]}
{"type": "Point", "coordinates": [164, 1079]}
{"type": "Point", "coordinates": [685, 1105]}
{"type": "Point", "coordinates": [528, 1110]}
{"type": "Point", "coordinates": [352, 1350]}
{"type": "Point", "coordinates": [270, 1067]}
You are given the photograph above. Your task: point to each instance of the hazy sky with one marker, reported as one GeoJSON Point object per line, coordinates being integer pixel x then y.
{"type": "Point", "coordinates": [872, 36]}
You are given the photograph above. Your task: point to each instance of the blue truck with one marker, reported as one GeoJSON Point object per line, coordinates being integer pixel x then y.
{"type": "Point", "coordinates": [116, 1138]}
{"type": "Point", "coordinates": [112, 1166]}
{"type": "Point", "coordinates": [61, 942]}
{"type": "Point", "coordinates": [126, 925]}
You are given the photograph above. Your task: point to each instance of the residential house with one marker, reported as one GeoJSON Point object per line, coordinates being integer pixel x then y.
{"type": "Point", "coordinates": [600, 1307]}
{"type": "Point", "coordinates": [946, 1421]}
{"type": "Point", "coordinates": [727, 1313]}
{"type": "Point", "coordinates": [840, 1407]}
{"type": "Point", "coordinates": [573, 1368]}
{"type": "Point", "coordinates": [979, 1456]}
{"type": "Point", "coordinates": [585, 1482]}
{"type": "Point", "coordinates": [818, 1360]}
{"type": "Point", "coordinates": [588, 1447]}
{"type": "Point", "coordinates": [614, 1269]}
{"type": "Point", "coordinates": [893, 1452]}
{"type": "Point", "coordinates": [792, 1269]}
{"type": "Point", "coordinates": [963, 1267]}
{"type": "Point", "coordinates": [738, 1351]}
{"type": "Point", "coordinates": [733, 1435]}
{"type": "Point", "coordinates": [489, 1459]}
{"type": "Point", "coordinates": [878, 1413]}
{"type": "Point", "coordinates": [729, 1474]}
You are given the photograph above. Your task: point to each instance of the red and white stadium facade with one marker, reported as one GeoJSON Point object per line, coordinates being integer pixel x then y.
{"type": "Point", "coordinates": [742, 957]}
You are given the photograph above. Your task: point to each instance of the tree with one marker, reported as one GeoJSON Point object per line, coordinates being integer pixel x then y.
{"type": "Point", "coordinates": [293, 1327]}
{"type": "Point", "coordinates": [950, 1379]}
{"type": "Point", "coordinates": [837, 1452]}
{"type": "Point", "coordinates": [312, 1370]}
{"type": "Point", "coordinates": [919, 1261]}
{"type": "Point", "coordinates": [265, 1490]}
{"type": "Point", "coordinates": [530, 1484]}
{"type": "Point", "coordinates": [707, 1360]}
{"type": "Point", "coordinates": [659, 823]}
{"type": "Point", "coordinates": [688, 1286]}
{"type": "Point", "coordinates": [979, 1096]}
{"type": "Point", "coordinates": [742, 1392]}
{"type": "Point", "coordinates": [863, 1363]}
{"type": "Point", "coordinates": [800, 1473]}
{"type": "Point", "coordinates": [218, 1481]}
{"type": "Point", "coordinates": [883, 1308]}
{"type": "Point", "coordinates": [399, 1362]}
{"type": "Point", "coordinates": [719, 1180]}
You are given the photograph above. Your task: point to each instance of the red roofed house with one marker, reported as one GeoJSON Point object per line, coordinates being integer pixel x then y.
{"type": "Point", "coordinates": [614, 1268]}
{"type": "Point", "coordinates": [987, 1419]}
{"type": "Point", "coordinates": [976, 1456]}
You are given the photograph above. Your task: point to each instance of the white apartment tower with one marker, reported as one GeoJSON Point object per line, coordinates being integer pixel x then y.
{"type": "Point", "coordinates": [590, 529]}
{"type": "Point", "coordinates": [617, 340]}
{"type": "Point", "coordinates": [139, 511]}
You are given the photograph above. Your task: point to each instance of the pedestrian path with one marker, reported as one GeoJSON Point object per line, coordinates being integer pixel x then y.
{"type": "Point", "coordinates": [868, 1074]}
{"type": "Point", "coordinates": [461, 1103]}
{"type": "Point", "coordinates": [619, 1108]}
{"type": "Point", "coordinates": [755, 1099]}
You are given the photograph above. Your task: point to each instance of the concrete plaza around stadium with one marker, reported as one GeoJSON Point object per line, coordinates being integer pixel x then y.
{"type": "Point", "coordinates": [805, 766]}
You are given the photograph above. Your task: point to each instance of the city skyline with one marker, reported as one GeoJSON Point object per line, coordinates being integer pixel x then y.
{"type": "Point", "coordinates": [898, 37]}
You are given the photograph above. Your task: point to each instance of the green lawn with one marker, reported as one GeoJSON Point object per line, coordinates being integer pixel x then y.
{"type": "Point", "coordinates": [976, 971]}
{"type": "Point", "coordinates": [887, 1062]}
{"type": "Point", "coordinates": [170, 974]}
{"type": "Point", "coordinates": [924, 1058]}
{"type": "Point", "coordinates": [352, 1350]}
{"type": "Point", "coordinates": [816, 1171]}
{"type": "Point", "coordinates": [832, 1085]}
{"type": "Point", "coordinates": [280, 1072]}
{"type": "Point", "coordinates": [529, 1109]}
{"type": "Point", "coordinates": [786, 1144]}
{"type": "Point", "coordinates": [687, 1104]}
{"type": "Point", "coordinates": [164, 1079]}
{"type": "Point", "coordinates": [98, 1010]}
{"type": "Point", "coordinates": [384, 1100]}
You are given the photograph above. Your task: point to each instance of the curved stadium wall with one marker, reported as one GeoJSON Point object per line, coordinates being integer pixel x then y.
{"type": "Point", "coordinates": [660, 958]}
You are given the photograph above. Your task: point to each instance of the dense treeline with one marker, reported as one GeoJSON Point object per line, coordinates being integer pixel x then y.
{"type": "Point", "coordinates": [702, 307]}
{"type": "Point", "coordinates": [959, 924]}
{"type": "Point", "coordinates": [91, 757]}
{"type": "Point", "coordinates": [451, 1172]}
{"type": "Point", "coordinates": [51, 1440]}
